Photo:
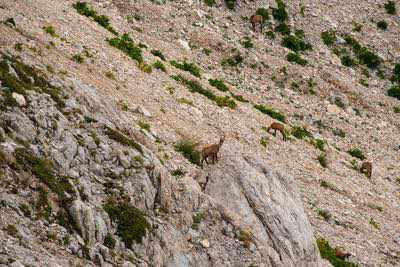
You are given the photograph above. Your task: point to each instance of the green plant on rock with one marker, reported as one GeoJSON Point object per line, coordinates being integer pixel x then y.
{"type": "Point", "coordinates": [233, 61]}
{"type": "Point", "coordinates": [295, 43]}
{"type": "Point", "coordinates": [158, 53]}
{"type": "Point", "coordinates": [132, 225]}
{"type": "Point", "coordinates": [390, 7]}
{"type": "Point", "coordinates": [189, 67]}
{"type": "Point", "coordinates": [271, 112]}
{"type": "Point", "coordinates": [329, 37]}
{"type": "Point", "coordinates": [230, 4]}
{"type": "Point", "coordinates": [109, 241]}
{"type": "Point", "coordinates": [396, 73]}
{"type": "Point", "coordinates": [126, 45]}
{"type": "Point", "coordinates": [263, 12]}
{"type": "Point", "coordinates": [357, 153]}
{"type": "Point", "coordinates": [219, 84]}
{"type": "Point", "coordinates": [280, 14]}
{"type": "Point", "coordinates": [188, 149]}
{"type": "Point", "coordinates": [160, 66]}
{"type": "Point", "coordinates": [382, 25]}
{"type": "Point", "coordinates": [296, 58]}
{"type": "Point", "coordinates": [323, 160]}
{"type": "Point", "coordinates": [283, 28]}
{"type": "Point", "coordinates": [122, 139]}
{"type": "Point", "coordinates": [329, 253]}
{"type": "Point", "coordinates": [300, 132]}
{"type": "Point", "coordinates": [84, 9]}
{"type": "Point", "coordinates": [394, 91]}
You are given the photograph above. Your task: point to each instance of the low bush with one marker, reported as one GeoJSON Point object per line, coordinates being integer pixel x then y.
{"type": "Point", "coordinates": [280, 13]}
{"type": "Point", "coordinates": [126, 45]}
{"type": "Point", "coordinates": [219, 84]}
{"type": "Point", "coordinates": [296, 58]}
{"type": "Point", "coordinates": [357, 153]}
{"type": "Point", "coordinates": [394, 91]}
{"type": "Point", "coordinates": [189, 67]}
{"type": "Point", "coordinates": [210, 3]}
{"type": "Point", "coordinates": [283, 28]}
{"type": "Point", "coordinates": [295, 43]}
{"type": "Point", "coordinates": [396, 73]}
{"type": "Point", "coordinates": [233, 61]}
{"type": "Point", "coordinates": [122, 139]}
{"type": "Point", "coordinates": [230, 4]}
{"type": "Point", "coordinates": [329, 37]}
{"type": "Point", "coordinates": [323, 160]}
{"type": "Point", "coordinates": [160, 66]}
{"type": "Point", "coordinates": [188, 149]}
{"type": "Point", "coordinates": [390, 7]}
{"type": "Point", "coordinates": [158, 53]}
{"type": "Point", "coordinates": [263, 12]}
{"type": "Point", "coordinates": [329, 253]}
{"type": "Point", "coordinates": [271, 112]}
{"type": "Point", "coordinates": [382, 25]}
{"type": "Point", "coordinates": [84, 9]}
{"type": "Point", "coordinates": [132, 225]}
{"type": "Point", "coordinates": [300, 132]}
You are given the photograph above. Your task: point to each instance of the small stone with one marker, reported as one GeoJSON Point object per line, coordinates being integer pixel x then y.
{"type": "Point", "coordinates": [16, 264]}
{"type": "Point", "coordinates": [205, 243]}
{"type": "Point", "coordinates": [184, 44]}
{"type": "Point", "coordinates": [20, 99]}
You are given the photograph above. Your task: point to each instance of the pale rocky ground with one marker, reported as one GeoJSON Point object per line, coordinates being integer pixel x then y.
{"type": "Point", "coordinates": [244, 183]}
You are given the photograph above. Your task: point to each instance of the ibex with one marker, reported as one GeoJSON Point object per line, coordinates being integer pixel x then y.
{"type": "Point", "coordinates": [366, 168]}
{"type": "Point", "coordinates": [256, 19]}
{"type": "Point", "coordinates": [211, 151]}
{"type": "Point", "coordinates": [278, 127]}
{"type": "Point", "coordinates": [342, 255]}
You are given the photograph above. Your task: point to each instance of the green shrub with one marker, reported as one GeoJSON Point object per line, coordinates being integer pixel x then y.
{"type": "Point", "coordinates": [320, 144]}
{"type": "Point", "coordinates": [390, 7]}
{"type": "Point", "coordinates": [347, 61]}
{"type": "Point", "coordinates": [144, 125]}
{"type": "Point", "coordinates": [270, 35]}
{"type": "Point", "coordinates": [188, 149]}
{"type": "Point", "coordinates": [160, 66]}
{"type": "Point", "coordinates": [323, 160]}
{"type": "Point", "coordinates": [178, 172]}
{"type": "Point", "coordinates": [158, 53]}
{"type": "Point", "coordinates": [300, 132]}
{"type": "Point", "coordinates": [280, 13]}
{"type": "Point", "coordinates": [78, 58]}
{"type": "Point", "coordinates": [196, 87]}
{"type": "Point", "coordinates": [233, 61]}
{"type": "Point", "coordinates": [197, 218]}
{"type": "Point", "coordinates": [189, 67]}
{"type": "Point", "coordinates": [329, 253]}
{"type": "Point", "coordinates": [50, 30]}
{"type": "Point", "coordinates": [271, 112]}
{"type": "Point", "coordinates": [296, 58]}
{"type": "Point", "coordinates": [396, 73]}
{"type": "Point", "coordinates": [109, 241]}
{"type": "Point", "coordinates": [239, 98]}
{"type": "Point", "coordinates": [247, 43]}
{"type": "Point", "coordinates": [282, 28]}
{"type": "Point", "coordinates": [146, 68]}
{"type": "Point", "coordinates": [382, 25]}
{"type": "Point", "coordinates": [295, 43]}
{"type": "Point", "coordinates": [263, 12]}
{"type": "Point", "coordinates": [131, 222]}
{"type": "Point", "coordinates": [210, 3]}
{"type": "Point", "coordinates": [219, 84]}
{"type": "Point", "coordinates": [368, 58]}
{"type": "Point", "coordinates": [394, 91]}
{"type": "Point", "coordinates": [230, 4]}
{"type": "Point", "coordinates": [357, 153]}
{"type": "Point", "coordinates": [43, 170]}
{"type": "Point", "coordinates": [329, 37]}
{"type": "Point", "coordinates": [126, 45]}
{"type": "Point", "coordinates": [122, 139]}
{"type": "Point", "coordinates": [374, 223]}
{"type": "Point", "coordinates": [12, 230]}
{"type": "Point", "coordinates": [84, 9]}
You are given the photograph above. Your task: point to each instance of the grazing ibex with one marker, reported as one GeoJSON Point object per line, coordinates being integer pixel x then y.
{"type": "Point", "coordinates": [342, 255]}
{"type": "Point", "coordinates": [211, 151]}
{"type": "Point", "coordinates": [278, 127]}
{"type": "Point", "coordinates": [256, 19]}
{"type": "Point", "coordinates": [366, 168]}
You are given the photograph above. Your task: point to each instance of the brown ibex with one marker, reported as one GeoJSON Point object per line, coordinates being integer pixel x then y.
{"type": "Point", "coordinates": [366, 168]}
{"type": "Point", "coordinates": [256, 19]}
{"type": "Point", "coordinates": [278, 127]}
{"type": "Point", "coordinates": [211, 151]}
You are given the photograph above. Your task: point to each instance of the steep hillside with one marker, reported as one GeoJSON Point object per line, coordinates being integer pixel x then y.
{"type": "Point", "coordinates": [103, 103]}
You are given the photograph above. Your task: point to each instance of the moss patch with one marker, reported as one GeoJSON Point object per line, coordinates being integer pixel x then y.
{"type": "Point", "coordinates": [329, 253]}
{"type": "Point", "coordinates": [122, 139]}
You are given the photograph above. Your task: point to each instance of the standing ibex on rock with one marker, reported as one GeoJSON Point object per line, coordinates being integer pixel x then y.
{"type": "Point", "coordinates": [211, 151]}
{"type": "Point", "coordinates": [366, 168]}
{"type": "Point", "coordinates": [278, 127]}
{"type": "Point", "coordinates": [256, 19]}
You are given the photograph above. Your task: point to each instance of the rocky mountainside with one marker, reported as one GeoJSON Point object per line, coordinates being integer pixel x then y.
{"type": "Point", "coordinates": [105, 105]}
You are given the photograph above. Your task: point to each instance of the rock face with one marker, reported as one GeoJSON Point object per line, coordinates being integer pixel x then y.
{"type": "Point", "coordinates": [268, 203]}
